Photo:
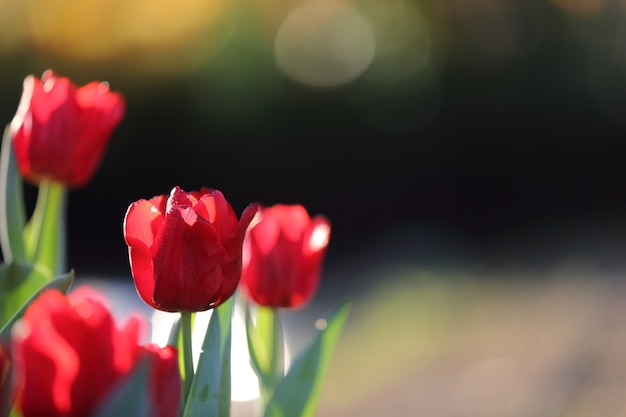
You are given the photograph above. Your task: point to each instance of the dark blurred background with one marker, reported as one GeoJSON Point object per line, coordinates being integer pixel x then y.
{"type": "Point", "coordinates": [469, 153]}
{"type": "Point", "coordinates": [477, 118]}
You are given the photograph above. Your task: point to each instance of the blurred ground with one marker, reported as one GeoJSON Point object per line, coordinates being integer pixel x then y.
{"type": "Point", "coordinates": [536, 328]}
{"type": "Point", "coordinates": [483, 346]}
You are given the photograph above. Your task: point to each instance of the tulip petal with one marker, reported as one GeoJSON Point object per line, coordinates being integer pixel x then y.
{"type": "Point", "coordinates": [165, 380]}
{"type": "Point", "coordinates": [100, 112]}
{"type": "Point", "coordinates": [214, 208]}
{"type": "Point", "coordinates": [187, 271]}
{"type": "Point", "coordinates": [141, 224]}
{"type": "Point", "coordinates": [293, 220]}
{"type": "Point", "coordinates": [54, 128]}
{"type": "Point", "coordinates": [47, 377]}
{"type": "Point", "coordinates": [232, 268]}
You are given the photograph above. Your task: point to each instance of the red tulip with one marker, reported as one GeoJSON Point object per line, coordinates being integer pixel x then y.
{"type": "Point", "coordinates": [283, 253]}
{"type": "Point", "coordinates": [60, 131]}
{"type": "Point", "coordinates": [69, 355]}
{"type": "Point", "coordinates": [185, 250]}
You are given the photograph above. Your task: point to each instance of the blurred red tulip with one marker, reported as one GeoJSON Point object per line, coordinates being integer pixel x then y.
{"type": "Point", "coordinates": [60, 131]}
{"type": "Point", "coordinates": [68, 355]}
{"type": "Point", "coordinates": [283, 254]}
{"type": "Point", "coordinates": [185, 250]}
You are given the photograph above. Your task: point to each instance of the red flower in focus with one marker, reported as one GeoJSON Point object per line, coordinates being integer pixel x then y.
{"type": "Point", "coordinates": [283, 253]}
{"type": "Point", "coordinates": [185, 250]}
{"type": "Point", "coordinates": [60, 131]}
{"type": "Point", "coordinates": [68, 355]}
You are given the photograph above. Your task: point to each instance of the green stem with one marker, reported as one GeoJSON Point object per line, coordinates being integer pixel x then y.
{"type": "Point", "coordinates": [275, 347]}
{"type": "Point", "coordinates": [45, 233]}
{"type": "Point", "coordinates": [278, 346]}
{"type": "Point", "coordinates": [186, 329]}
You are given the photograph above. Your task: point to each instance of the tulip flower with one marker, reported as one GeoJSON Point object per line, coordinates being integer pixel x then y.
{"type": "Point", "coordinates": [60, 131]}
{"type": "Point", "coordinates": [283, 253]}
{"type": "Point", "coordinates": [185, 249]}
{"type": "Point", "coordinates": [69, 356]}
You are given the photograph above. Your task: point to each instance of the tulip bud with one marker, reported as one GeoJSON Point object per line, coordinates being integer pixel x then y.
{"type": "Point", "coordinates": [185, 249]}
{"type": "Point", "coordinates": [60, 131]}
{"type": "Point", "coordinates": [283, 254]}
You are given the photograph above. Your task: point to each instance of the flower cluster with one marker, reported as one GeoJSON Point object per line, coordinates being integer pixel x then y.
{"type": "Point", "coordinates": [63, 354]}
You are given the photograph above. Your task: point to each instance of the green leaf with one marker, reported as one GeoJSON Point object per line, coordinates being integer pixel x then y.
{"type": "Point", "coordinates": [210, 388]}
{"type": "Point", "coordinates": [61, 283]}
{"type": "Point", "coordinates": [12, 213]}
{"type": "Point", "coordinates": [173, 338]}
{"type": "Point", "coordinates": [44, 235]}
{"type": "Point", "coordinates": [223, 396]}
{"type": "Point", "coordinates": [18, 282]}
{"type": "Point", "coordinates": [131, 397]}
{"type": "Point", "coordinates": [297, 394]}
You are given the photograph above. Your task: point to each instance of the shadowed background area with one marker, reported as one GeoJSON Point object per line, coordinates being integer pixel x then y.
{"type": "Point", "coordinates": [466, 151]}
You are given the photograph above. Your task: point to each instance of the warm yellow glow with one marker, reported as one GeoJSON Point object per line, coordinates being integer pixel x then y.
{"type": "Point", "coordinates": [582, 7]}
{"type": "Point", "coordinates": [12, 26]}
{"type": "Point", "coordinates": [100, 30]}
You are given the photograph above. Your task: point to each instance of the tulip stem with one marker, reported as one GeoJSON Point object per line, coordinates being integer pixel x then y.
{"type": "Point", "coordinates": [272, 322]}
{"type": "Point", "coordinates": [187, 353]}
{"type": "Point", "coordinates": [44, 235]}
{"type": "Point", "coordinates": [278, 346]}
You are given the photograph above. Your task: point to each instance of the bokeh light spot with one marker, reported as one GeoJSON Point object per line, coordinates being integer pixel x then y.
{"type": "Point", "coordinates": [324, 44]}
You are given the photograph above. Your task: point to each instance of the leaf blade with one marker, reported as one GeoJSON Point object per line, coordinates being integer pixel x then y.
{"type": "Point", "coordinates": [12, 212]}
{"type": "Point", "coordinates": [210, 389]}
{"type": "Point", "coordinates": [297, 394]}
{"type": "Point", "coordinates": [62, 283]}
{"type": "Point", "coordinates": [45, 234]}
{"type": "Point", "coordinates": [130, 397]}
